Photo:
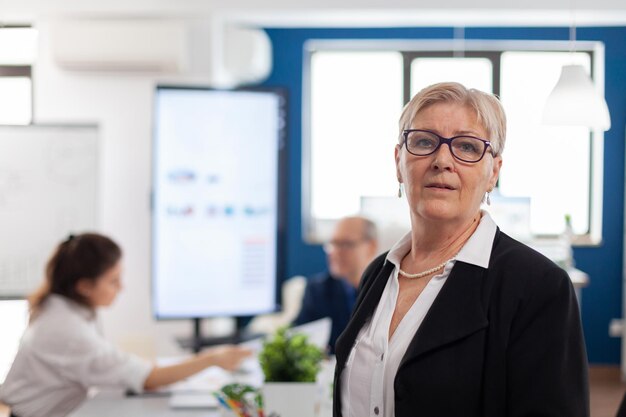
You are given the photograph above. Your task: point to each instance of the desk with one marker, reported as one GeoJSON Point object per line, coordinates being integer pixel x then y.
{"type": "Point", "coordinates": [113, 403]}
{"type": "Point", "coordinates": [579, 280]}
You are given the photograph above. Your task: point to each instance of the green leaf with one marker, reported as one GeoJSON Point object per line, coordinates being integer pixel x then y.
{"type": "Point", "coordinates": [290, 357]}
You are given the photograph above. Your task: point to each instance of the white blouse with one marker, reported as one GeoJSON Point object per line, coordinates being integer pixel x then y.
{"type": "Point", "coordinates": [368, 377]}
{"type": "Point", "coordinates": [61, 355]}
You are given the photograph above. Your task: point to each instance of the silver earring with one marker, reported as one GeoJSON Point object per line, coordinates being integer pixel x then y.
{"type": "Point", "coordinates": [488, 199]}
{"type": "Point", "coordinates": [399, 190]}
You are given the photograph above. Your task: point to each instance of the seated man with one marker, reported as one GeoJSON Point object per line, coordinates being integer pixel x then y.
{"type": "Point", "coordinates": [332, 294]}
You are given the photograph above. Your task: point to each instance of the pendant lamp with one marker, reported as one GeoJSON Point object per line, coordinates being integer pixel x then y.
{"type": "Point", "coordinates": [574, 101]}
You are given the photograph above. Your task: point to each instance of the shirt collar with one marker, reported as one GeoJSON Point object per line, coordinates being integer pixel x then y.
{"type": "Point", "coordinates": [476, 251]}
{"type": "Point", "coordinates": [56, 301]}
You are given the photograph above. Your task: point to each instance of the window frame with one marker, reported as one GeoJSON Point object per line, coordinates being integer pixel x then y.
{"type": "Point", "coordinates": [315, 231]}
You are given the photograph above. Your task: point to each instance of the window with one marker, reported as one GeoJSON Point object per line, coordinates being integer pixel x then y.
{"type": "Point", "coordinates": [559, 182]}
{"type": "Point", "coordinates": [354, 113]}
{"type": "Point", "coordinates": [355, 103]}
{"type": "Point", "coordinates": [18, 48]}
{"type": "Point", "coordinates": [14, 315]}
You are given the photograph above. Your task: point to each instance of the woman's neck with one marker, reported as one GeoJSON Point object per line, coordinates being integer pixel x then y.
{"type": "Point", "coordinates": [440, 239]}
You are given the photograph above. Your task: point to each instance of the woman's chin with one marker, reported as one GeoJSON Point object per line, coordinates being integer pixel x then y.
{"type": "Point", "coordinates": [439, 211]}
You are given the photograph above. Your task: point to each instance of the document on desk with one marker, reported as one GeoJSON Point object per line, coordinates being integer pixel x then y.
{"type": "Point", "coordinates": [209, 380]}
{"type": "Point", "coordinates": [318, 331]}
{"type": "Point", "coordinates": [197, 390]}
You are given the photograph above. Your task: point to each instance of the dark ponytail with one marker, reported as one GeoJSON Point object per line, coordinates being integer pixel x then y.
{"type": "Point", "coordinates": [84, 256]}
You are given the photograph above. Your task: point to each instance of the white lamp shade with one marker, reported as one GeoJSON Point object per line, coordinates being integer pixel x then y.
{"type": "Point", "coordinates": [574, 101]}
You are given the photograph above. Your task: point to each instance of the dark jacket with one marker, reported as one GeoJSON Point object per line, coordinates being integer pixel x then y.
{"type": "Point", "coordinates": [326, 296]}
{"type": "Point", "coordinates": [499, 342]}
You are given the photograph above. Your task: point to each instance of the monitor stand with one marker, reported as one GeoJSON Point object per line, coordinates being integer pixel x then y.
{"type": "Point", "coordinates": [197, 341]}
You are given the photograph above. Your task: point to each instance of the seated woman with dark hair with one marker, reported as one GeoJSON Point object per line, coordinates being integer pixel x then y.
{"type": "Point", "coordinates": [62, 353]}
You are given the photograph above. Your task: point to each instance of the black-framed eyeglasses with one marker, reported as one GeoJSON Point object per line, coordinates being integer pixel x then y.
{"type": "Point", "coordinates": [342, 245]}
{"type": "Point", "coordinates": [464, 148]}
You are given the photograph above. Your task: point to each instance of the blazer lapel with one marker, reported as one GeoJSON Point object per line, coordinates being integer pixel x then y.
{"type": "Point", "coordinates": [458, 311]}
{"type": "Point", "coordinates": [369, 297]}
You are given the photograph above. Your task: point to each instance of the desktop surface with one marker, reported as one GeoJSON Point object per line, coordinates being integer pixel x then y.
{"type": "Point", "coordinates": [107, 403]}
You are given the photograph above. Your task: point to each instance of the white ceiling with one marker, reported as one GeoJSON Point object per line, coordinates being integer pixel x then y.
{"type": "Point", "coordinates": [329, 13]}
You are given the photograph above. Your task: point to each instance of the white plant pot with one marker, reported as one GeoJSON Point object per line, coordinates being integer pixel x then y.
{"type": "Point", "coordinates": [290, 399]}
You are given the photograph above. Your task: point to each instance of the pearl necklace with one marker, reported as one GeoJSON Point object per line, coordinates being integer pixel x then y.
{"type": "Point", "coordinates": [428, 271]}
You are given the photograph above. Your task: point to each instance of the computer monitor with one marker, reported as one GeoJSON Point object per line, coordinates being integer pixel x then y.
{"type": "Point", "coordinates": [217, 207]}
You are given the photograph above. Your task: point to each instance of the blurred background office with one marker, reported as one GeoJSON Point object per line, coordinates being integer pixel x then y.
{"type": "Point", "coordinates": [96, 65]}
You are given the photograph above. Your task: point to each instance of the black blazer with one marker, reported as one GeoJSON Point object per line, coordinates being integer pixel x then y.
{"type": "Point", "coordinates": [499, 342]}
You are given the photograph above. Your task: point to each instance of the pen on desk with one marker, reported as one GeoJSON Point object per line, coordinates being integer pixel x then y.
{"type": "Point", "coordinates": [221, 400]}
{"type": "Point", "coordinates": [228, 404]}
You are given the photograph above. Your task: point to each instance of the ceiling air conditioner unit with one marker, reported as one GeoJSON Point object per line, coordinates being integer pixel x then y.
{"type": "Point", "coordinates": [120, 45]}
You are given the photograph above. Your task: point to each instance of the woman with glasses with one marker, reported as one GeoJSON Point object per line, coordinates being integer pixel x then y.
{"type": "Point", "coordinates": [459, 319]}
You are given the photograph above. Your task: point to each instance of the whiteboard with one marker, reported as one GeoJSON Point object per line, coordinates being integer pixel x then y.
{"type": "Point", "coordinates": [48, 189]}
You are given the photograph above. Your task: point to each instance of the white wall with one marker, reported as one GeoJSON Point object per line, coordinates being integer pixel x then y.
{"type": "Point", "coordinates": [121, 104]}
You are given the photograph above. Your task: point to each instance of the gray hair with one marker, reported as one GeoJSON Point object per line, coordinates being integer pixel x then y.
{"type": "Point", "coordinates": [488, 109]}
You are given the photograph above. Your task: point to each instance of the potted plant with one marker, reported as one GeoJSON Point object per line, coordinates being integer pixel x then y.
{"type": "Point", "coordinates": [290, 364]}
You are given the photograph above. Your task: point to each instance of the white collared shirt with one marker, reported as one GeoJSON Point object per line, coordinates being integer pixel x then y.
{"type": "Point", "coordinates": [368, 378]}
{"type": "Point", "coordinates": [62, 354]}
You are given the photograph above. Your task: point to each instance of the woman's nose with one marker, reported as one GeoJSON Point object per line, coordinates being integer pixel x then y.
{"type": "Point", "coordinates": [443, 157]}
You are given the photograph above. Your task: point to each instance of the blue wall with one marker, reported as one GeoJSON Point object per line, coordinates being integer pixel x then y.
{"type": "Point", "coordinates": [601, 301]}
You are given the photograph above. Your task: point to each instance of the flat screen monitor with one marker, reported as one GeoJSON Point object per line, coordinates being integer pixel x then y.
{"type": "Point", "coordinates": [218, 185]}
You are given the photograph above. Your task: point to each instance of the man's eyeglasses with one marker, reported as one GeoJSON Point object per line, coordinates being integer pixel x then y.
{"type": "Point", "coordinates": [341, 245]}
{"type": "Point", "coordinates": [464, 148]}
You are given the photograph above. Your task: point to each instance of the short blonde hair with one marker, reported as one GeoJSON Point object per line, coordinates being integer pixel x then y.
{"type": "Point", "coordinates": [488, 109]}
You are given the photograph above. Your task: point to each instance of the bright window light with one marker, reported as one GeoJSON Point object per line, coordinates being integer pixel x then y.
{"type": "Point", "coordinates": [18, 46]}
{"type": "Point", "coordinates": [549, 164]}
{"type": "Point", "coordinates": [15, 100]}
{"type": "Point", "coordinates": [14, 315]}
{"type": "Point", "coordinates": [356, 99]}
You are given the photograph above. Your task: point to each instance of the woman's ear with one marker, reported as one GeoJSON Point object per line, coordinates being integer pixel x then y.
{"type": "Point", "coordinates": [84, 287]}
{"type": "Point", "coordinates": [397, 151]}
{"type": "Point", "coordinates": [495, 171]}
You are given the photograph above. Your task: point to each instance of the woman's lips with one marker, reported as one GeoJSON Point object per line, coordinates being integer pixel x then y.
{"type": "Point", "coordinates": [440, 186]}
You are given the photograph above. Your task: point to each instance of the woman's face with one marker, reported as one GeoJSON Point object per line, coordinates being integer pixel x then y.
{"type": "Point", "coordinates": [103, 291]}
{"type": "Point", "coordinates": [439, 187]}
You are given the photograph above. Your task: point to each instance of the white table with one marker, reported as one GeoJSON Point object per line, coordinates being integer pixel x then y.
{"type": "Point", "coordinates": [115, 403]}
